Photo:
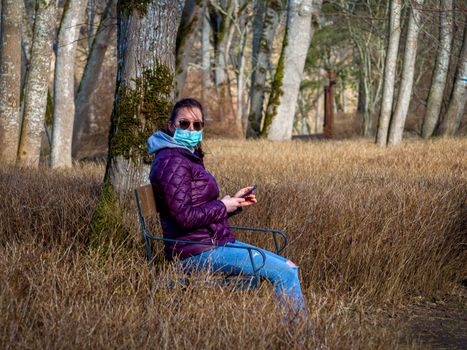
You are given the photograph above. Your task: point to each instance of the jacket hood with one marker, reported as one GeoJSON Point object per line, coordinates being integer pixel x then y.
{"type": "Point", "coordinates": [160, 140]}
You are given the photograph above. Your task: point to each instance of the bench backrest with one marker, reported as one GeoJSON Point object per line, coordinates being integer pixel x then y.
{"type": "Point", "coordinates": [146, 202]}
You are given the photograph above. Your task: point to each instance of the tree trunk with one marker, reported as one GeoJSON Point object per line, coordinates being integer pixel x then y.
{"type": "Point", "coordinates": [389, 73]}
{"type": "Point", "coordinates": [10, 80]}
{"type": "Point", "coordinates": [35, 100]}
{"type": "Point", "coordinates": [185, 38]}
{"type": "Point", "coordinates": [64, 94]}
{"type": "Point", "coordinates": [258, 76]}
{"type": "Point", "coordinates": [438, 82]}
{"type": "Point", "coordinates": [405, 91]}
{"type": "Point", "coordinates": [241, 75]}
{"type": "Point", "coordinates": [90, 16]}
{"type": "Point", "coordinates": [206, 53]}
{"type": "Point", "coordinates": [84, 114]}
{"type": "Point", "coordinates": [279, 119]}
{"type": "Point", "coordinates": [145, 92]}
{"type": "Point", "coordinates": [257, 29]}
{"type": "Point", "coordinates": [452, 119]}
{"type": "Point", "coordinates": [222, 14]}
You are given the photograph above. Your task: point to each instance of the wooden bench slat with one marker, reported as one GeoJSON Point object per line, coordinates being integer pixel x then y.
{"type": "Point", "coordinates": [146, 200]}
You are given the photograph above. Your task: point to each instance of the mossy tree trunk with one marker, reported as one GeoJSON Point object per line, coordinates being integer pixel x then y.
{"type": "Point", "coordinates": [405, 91]}
{"type": "Point", "coordinates": [258, 76]}
{"type": "Point", "coordinates": [186, 34]}
{"type": "Point", "coordinates": [35, 98]}
{"type": "Point", "coordinates": [85, 115]}
{"type": "Point", "coordinates": [279, 119]}
{"type": "Point", "coordinates": [10, 80]}
{"type": "Point", "coordinates": [145, 90]}
{"type": "Point", "coordinates": [440, 73]}
{"type": "Point", "coordinates": [389, 72]}
{"type": "Point", "coordinates": [452, 119]}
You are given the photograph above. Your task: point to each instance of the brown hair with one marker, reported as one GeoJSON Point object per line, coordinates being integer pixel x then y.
{"type": "Point", "coordinates": [189, 103]}
{"type": "Point", "coordinates": [185, 103]}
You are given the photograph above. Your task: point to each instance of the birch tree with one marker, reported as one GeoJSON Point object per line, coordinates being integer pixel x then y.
{"type": "Point", "coordinates": [145, 92]}
{"type": "Point", "coordinates": [64, 92]}
{"type": "Point", "coordinates": [84, 113]}
{"type": "Point", "coordinates": [279, 119]}
{"type": "Point", "coordinates": [438, 82]}
{"type": "Point", "coordinates": [405, 92]}
{"type": "Point", "coordinates": [10, 79]}
{"type": "Point", "coordinates": [261, 64]}
{"type": "Point", "coordinates": [35, 98]}
{"type": "Point", "coordinates": [452, 119]}
{"type": "Point", "coordinates": [389, 72]}
{"type": "Point", "coordinates": [191, 15]}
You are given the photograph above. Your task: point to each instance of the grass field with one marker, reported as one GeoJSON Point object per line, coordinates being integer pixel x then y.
{"type": "Point", "coordinates": [373, 230]}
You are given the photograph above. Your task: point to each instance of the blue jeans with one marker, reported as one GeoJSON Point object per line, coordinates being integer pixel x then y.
{"type": "Point", "coordinates": [281, 272]}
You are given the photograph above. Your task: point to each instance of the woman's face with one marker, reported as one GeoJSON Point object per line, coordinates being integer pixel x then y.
{"type": "Point", "coordinates": [188, 119]}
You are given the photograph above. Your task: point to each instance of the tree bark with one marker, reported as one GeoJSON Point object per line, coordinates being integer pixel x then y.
{"type": "Point", "coordinates": [145, 91]}
{"type": "Point", "coordinates": [389, 73]}
{"type": "Point", "coordinates": [64, 94]}
{"type": "Point", "coordinates": [35, 100]}
{"type": "Point", "coordinates": [283, 100]}
{"type": "Point", "coordinates": [258, 76]}
{"type": "Point", "coordinates": [222, 14]}
{"type": "Point", "coordinates": [257, 29]}
{"type": "Point", "coordinates": [185, 38]}
{"type": "Point", "coordinates": [438, 83]}
{"type": "Point", "coordinates": [452, 119]}
{"type": "Point", "coordinates": [10, 80]}
{"type": "Point", "coordinates": [408, 73]}
{"type": "Point", "coordinates": [206, 53]}
{"type": "Point", "coordinates": [84, 114]}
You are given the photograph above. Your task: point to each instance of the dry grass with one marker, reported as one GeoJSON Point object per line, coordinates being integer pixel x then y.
{"type": "Point", "coordinates": [371, 229]}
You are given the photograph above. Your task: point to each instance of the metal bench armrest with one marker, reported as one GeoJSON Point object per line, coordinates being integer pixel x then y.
{"type": "Point", "coordinates": [274, 233]}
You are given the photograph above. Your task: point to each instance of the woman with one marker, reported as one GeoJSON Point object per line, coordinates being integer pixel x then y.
{"type": "Point", "coordinates": [187, 199]}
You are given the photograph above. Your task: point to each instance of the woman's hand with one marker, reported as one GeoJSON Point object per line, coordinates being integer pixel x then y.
{"type": "Point", "coordinates": [232, 203]}
{"type": "Point", "coordinates": [249, 199]}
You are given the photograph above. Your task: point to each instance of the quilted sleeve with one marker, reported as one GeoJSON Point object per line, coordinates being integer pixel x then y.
{"type": "Point", "coordinates": [175, 179]}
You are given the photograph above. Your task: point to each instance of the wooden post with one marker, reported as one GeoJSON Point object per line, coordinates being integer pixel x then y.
{"type": "Point", "coordinates": [328, 129]}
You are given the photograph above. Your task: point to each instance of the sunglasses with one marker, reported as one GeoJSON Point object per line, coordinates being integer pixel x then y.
{"type": "Point", "coordinates": [185, 124]}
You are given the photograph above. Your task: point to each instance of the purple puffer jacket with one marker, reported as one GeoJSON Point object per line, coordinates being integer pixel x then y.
{"type": "Point", "coordinates": [186, 197]}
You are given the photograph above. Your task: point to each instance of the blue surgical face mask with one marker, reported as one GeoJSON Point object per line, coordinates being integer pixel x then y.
{"type": "Point", "coordinates": [188, 138]}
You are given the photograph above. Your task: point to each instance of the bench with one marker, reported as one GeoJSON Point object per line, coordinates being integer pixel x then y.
{"type": "Point", "coordinates": [146, 207]}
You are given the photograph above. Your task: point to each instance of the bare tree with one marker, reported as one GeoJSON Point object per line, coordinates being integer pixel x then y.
{"type": "Point", "coordinates": [35, 98]}
{"type": "Point", "coordinates": [389, 72]}
{"type": "Point", "coordinates": [278, 123]}
{"type": "Point", "coordinates": [206, 53]}
{"type": "Point", "coordinates": [191, 15]}
{"type": "Point", "coordinates": [10, 79]}
{"type": "Point", "coordinates": [84, 113]}
{"type": "Point", "coordinates": [145, 91]}
{"type": "Point", "coordinates": [405, 92]}
{"type": "Point", "coordinates": [64, 94]}
{"type": "Point", "coordinates": [438, 82]}
{"type": "Point", "coordinates": [452, 119]}
{"type": "Point", "coordinates": [261, 65]}
{"type": "Point", "coordinates": [223, 16]}
{"type": "Point", "coordinates": [369, 48]}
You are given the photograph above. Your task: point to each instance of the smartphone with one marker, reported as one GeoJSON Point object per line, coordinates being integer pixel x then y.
{"type": "Point", "coordinates": [248, 192]}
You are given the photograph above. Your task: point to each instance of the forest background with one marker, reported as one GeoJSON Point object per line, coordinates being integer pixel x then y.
{"type": "Point", "coordinates": [82, 85]}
